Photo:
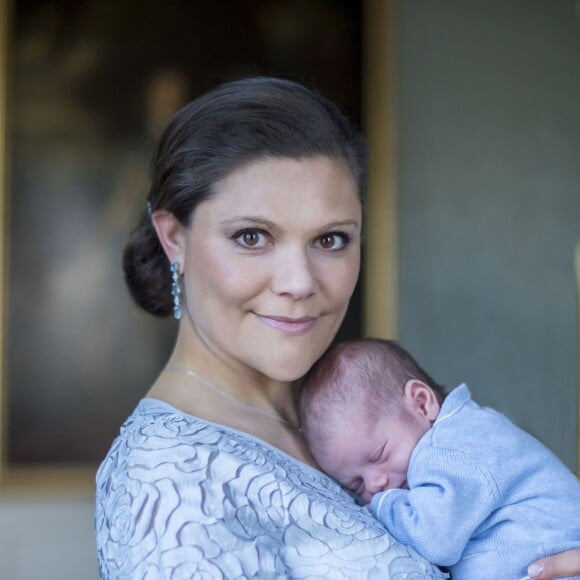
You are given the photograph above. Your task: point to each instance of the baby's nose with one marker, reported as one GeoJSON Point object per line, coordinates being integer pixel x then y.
{"type": "Point", "coordinates": [377, 482]}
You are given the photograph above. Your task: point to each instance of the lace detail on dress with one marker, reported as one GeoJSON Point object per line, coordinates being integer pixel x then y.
{"type": "Point", "coordinates": [178, 497]}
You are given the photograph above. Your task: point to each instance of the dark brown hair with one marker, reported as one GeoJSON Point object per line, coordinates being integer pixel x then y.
{"type": "Point", "coordinates": [227, 127]}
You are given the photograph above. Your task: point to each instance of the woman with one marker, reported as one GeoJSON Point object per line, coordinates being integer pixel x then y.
{"type": "Point", "coordinates": [252, 241]}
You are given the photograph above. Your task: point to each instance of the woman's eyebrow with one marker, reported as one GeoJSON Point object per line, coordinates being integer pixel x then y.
{"type": "Point", "coordinates": [342, 223]}
{"type": "Point", "coordinates": [257, 220]}
{"type": "Point", "coordinates": [248, 218]}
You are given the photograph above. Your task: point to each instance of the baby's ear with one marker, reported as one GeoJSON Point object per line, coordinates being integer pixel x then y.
{"type": "Point", "coordinates": [421, 399]}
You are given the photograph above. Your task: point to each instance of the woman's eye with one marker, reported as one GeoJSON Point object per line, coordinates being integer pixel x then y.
{"type": "Point", "coordinates": [333, 241]}
{"type": "Point", "coordinates": [251, 239]}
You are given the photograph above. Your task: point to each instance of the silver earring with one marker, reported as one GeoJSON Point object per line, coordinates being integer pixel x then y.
{"type": "Point", "coordinates": [176, 291]}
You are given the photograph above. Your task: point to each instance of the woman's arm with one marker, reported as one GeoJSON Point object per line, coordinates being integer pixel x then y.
{"type": "Point", "coordinates": [556, 566]}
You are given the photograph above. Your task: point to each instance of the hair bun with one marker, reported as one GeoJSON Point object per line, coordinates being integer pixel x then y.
{"type": "Point", "coordinates": [146, 270]}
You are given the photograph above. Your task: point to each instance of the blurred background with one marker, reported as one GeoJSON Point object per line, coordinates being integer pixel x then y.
{"type": "Point", "coordinates": [471, 110]}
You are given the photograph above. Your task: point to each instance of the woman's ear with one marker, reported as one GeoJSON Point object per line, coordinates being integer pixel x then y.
{"type": "Point", "coordinates": [422, 399]}
{"type": "Point", "coordinates": [171, 234]}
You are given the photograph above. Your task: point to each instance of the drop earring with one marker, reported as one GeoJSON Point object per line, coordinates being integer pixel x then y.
{"type": "Point", "coordinates": [176, 290]}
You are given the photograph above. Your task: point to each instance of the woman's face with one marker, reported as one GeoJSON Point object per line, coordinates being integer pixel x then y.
{"type": "Point", "coordinates": [270, 263]}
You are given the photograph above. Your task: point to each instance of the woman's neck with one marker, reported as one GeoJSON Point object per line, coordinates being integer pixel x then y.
{"type": "Point", "coordinates": [232, 376]}
{"type": "Point", "coordinates": [200, 383]}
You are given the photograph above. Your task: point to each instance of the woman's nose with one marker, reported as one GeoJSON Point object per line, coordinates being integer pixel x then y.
{"type": "Point", "coordinates": [294, 274]}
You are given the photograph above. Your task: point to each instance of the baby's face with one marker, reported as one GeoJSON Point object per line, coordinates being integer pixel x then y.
{"type": "Point", "coordinates": [370, 456]}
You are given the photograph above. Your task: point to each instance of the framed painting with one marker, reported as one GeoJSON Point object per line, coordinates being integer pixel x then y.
{"type": "Point", "coordinates": [87, 88]}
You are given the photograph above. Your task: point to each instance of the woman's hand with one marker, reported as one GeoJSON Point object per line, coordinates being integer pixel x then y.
{"type": "Point", "coordinates": [556, 566]}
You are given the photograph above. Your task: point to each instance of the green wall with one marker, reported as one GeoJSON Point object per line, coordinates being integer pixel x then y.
{"type": "Point", "coordinates": [489, 199]}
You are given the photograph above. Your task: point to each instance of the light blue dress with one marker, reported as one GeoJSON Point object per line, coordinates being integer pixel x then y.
{"type": "Point", "coordinates": [179, 497]}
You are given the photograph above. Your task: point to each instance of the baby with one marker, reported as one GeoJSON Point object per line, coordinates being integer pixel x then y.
{"type": "Point", "coordinates": [459, 483]}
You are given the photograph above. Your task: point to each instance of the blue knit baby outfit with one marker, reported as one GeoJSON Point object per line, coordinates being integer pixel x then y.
{"type": "Point", "coordinates": [485, 498]}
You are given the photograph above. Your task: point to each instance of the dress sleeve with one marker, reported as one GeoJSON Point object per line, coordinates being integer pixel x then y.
{"type": "Point", "coordinates": [450, 496]}
{"type": "Point", "coordinates": [170, 509]}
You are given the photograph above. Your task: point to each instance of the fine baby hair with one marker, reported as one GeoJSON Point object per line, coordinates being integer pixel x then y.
{"type": "Point", "coordinates": [372, 371]}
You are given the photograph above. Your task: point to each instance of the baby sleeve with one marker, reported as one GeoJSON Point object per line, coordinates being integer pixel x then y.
{"type": "Point", "coordinates": [450, 496]}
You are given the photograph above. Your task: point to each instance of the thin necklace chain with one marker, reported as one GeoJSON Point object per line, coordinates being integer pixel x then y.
{"type": "Point", "coordinates": [231, 397]}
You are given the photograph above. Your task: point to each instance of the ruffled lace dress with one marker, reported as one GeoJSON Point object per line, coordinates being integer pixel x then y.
{"type": "Point", "coordinates": [179, 497]}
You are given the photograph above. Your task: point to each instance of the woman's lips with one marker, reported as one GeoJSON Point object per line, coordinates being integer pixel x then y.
{"type": "Point", "coordinates": [288, 325]}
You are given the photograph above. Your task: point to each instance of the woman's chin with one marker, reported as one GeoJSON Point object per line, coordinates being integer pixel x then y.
{"type": "Point", "coordinates": [288, 362]}
{"type": "Point", "coordinates": [288, 376]}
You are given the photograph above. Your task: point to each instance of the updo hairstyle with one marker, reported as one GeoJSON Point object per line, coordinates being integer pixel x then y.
{"type": "Point", "coordinates": [229, 126]}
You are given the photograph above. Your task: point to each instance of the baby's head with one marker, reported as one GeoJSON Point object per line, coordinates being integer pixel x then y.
{"type": "Point", "coordinates": [364, 406]}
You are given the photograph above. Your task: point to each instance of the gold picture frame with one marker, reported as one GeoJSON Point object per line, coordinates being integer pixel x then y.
{"type": "Point", "coordinates": [3, 237]}
{"type": "Point", "coordinates": [577, 273]}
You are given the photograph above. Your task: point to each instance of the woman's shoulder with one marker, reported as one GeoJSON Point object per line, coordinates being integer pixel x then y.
{"type": "Point", "coordinates": [197, 459]}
